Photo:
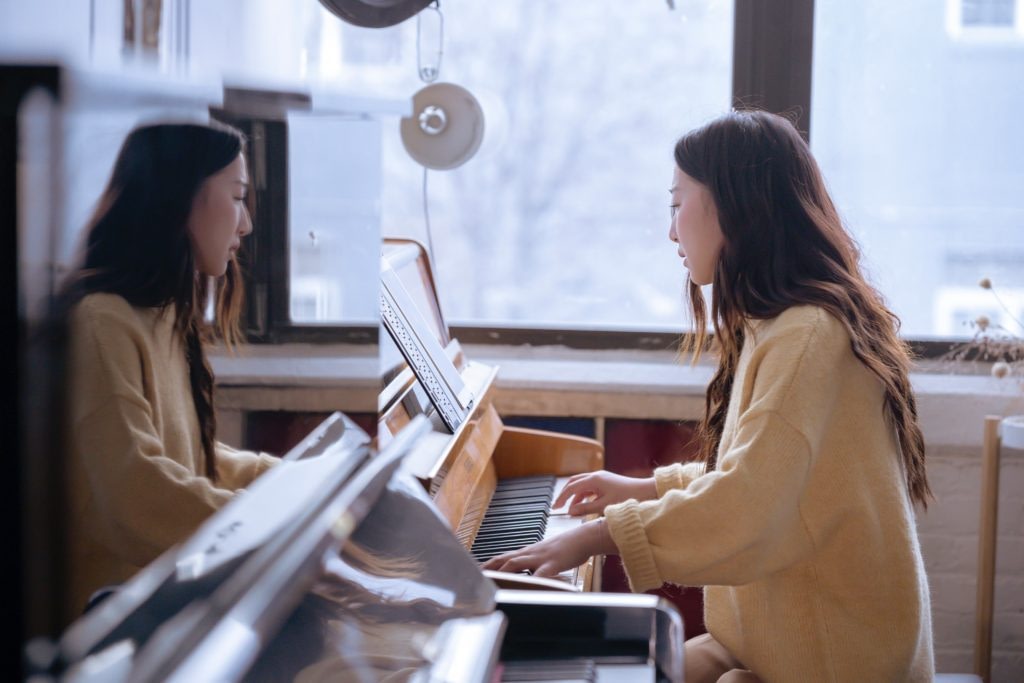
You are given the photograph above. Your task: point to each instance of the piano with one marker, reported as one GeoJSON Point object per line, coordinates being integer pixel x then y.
{"type": "Point", "coordinates": [493, 483]}
{"type": "Point", "coordinates": [358, 577]}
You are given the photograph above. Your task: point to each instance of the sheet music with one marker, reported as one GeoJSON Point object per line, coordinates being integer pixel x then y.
{"type": "Point", "coordinates": [434, 370]}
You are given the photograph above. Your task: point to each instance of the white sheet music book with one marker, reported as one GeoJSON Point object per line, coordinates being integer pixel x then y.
{"type": "Point", "coordinates": [432, 367]}
{"type": "Point", "coordinates": [255, 514]}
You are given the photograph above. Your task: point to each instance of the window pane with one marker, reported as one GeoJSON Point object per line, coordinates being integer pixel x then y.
{"type": "Point", "coordinates": [562, 215]}
{"type": "Point", "coordinates": [334, 218]}
{"type": "Point", "coordinates": [919, 136]}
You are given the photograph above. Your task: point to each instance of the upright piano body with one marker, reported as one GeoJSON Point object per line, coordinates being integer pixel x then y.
{"type": "Point", "coordinates": [361, 580]}
{"type": "Point", "coordinates": [470, 458]}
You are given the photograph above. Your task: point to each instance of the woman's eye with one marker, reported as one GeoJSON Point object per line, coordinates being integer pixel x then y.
{"type": "Point", "coordinates": [673, 210]}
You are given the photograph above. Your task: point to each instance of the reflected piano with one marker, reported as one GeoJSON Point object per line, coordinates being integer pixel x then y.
{"type": "Point", "coordinates": [494, 483]}
{"type": "Point", "coordinates": [362, 581]}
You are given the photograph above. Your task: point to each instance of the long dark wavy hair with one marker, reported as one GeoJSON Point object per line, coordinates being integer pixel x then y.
{"type": "Point", "coordinates": [137, 246]}
{"type": "Point", "coordinates": [785, 245]}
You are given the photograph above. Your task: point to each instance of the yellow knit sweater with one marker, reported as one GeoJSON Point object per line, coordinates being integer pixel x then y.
{"type": "Point", "coordinates": [804, 536]}
{"type": "Point", "coordinates": [136, 469]}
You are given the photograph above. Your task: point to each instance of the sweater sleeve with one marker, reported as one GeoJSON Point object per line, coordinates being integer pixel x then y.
{"type": "Point", "coordinates": [676, 476]}
{"type": "Point", "coordinates": [728, 527]}
{"type": "Point", "coordinates": [146, 501]}
{"type": "Point", "coordinates": [236, 469]}
{"type": "Point", "coordinates": [743, 520]}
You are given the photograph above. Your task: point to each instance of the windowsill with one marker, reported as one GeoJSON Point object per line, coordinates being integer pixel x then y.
{"type": "Point", "coordinates": [553, 381]}
{"type": "Point", "coordinates": [297, 377]}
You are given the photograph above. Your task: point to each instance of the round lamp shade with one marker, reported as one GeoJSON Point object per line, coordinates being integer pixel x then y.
{"type": "Point", "coordinates": [446, 126]}
{"type": "Point", "coordinates": [374, 13]}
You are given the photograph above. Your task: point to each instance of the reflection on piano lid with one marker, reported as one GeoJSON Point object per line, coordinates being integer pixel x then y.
{"type": "Point", "coordinates": [620, 637]}
{"type": "Point", "coordinates": [372, 585]}
{"type": "Point", "coordinates": [311, 470]}
{"type": "Point", "coordinates": [134, 618]}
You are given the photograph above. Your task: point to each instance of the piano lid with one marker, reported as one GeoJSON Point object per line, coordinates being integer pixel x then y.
{"type": "Point", "coordinates": [399, 601]}
{"type": "Point", "coordinates": [219, 637]}
{"type": "Point", "coordinates": [160, 591]}
{"type": "Point", "coordinates": [330, 454]}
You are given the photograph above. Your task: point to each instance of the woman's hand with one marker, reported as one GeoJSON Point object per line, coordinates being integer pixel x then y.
{"type": "Point", "coordinates": [554, 555]}
{"type": "Point", "coordinates": [593, 491]}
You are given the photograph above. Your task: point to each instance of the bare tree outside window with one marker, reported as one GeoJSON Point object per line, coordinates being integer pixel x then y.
{"type": "Point", "coordinates": [561, 218]}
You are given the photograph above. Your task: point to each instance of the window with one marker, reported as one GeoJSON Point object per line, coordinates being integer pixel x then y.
{"type": "Point", "coordinates": [919, 139]}
{"type": "Point", "coordinates": [561, 217]}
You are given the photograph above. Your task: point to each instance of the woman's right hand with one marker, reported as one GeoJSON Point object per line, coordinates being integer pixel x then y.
{"type": "Point", "coordinates": [593, 491]}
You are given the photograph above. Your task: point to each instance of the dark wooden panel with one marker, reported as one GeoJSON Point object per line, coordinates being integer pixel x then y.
{"type": "Point", "coordinates": [635, 448]}
{"type": "Point", "coordinates": [276, 432]}
{"type": "Point", "coordinates": [577, 426]}
{"type": "Point", "coordinates": [772, 51]}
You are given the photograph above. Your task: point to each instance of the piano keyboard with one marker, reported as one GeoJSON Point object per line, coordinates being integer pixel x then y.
{"type": "Point", "coordinates": [519, 514]}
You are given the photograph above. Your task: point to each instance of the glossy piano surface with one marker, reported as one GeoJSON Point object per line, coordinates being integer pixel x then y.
{"type": "Point", "coordinates": [367, 583]}
{"type": "Point", "coordinates": [388, 605]}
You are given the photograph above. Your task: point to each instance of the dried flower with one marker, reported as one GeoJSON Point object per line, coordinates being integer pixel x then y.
{"type": "Point", "coordinates": [992, 342]}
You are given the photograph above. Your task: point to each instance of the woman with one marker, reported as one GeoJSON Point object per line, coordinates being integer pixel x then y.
{"type": "Point", "coordinates": [799, 518]}
{"type": "Point", "coordinates": [145, 466]}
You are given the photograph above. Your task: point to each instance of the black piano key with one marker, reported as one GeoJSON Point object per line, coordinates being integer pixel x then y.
{"type": "Point", "coordinates": [509, 542]}
{"type": "Point", "coordinates": [516, 516]}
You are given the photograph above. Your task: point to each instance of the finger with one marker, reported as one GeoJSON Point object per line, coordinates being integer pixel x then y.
{"type": "Point", "coordinates": [586, 506]}
{"type": "Point", "coordinates": [497, 561]}
{"type": "Point", "coordinates": [547, 570]}
{"type": "Point", "coordinates": [564, 501]}
{"type": "Point", "coordinates": [571, 488]}
{"type": "Point", "coordinates": [518, 564]}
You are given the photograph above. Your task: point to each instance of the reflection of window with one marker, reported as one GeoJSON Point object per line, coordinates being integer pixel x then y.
{"type": "Point", "coordinates": [334, 218]}
{"type": "Point", "coordinates": [314, 299]}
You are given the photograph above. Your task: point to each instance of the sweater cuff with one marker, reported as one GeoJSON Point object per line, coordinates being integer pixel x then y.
{"type": "Point", "coordinates": [266, 461]}
{"type": "Point", "coordinates": [627, 531]}
{"type": "Point", "coordinates": [668, 478]}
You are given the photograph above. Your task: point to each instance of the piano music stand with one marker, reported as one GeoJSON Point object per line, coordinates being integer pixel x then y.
{"type": "Point", "coordinates": [423, 351]}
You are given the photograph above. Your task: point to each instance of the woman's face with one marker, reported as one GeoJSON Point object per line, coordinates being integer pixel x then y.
{"type": "Point", "coordinates": [695, 227]}
{"type": "Point", "coordinates": [219, 218]}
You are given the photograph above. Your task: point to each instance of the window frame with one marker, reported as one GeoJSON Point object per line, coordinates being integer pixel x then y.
{"type": "Point", "coordinates": [767, 72]}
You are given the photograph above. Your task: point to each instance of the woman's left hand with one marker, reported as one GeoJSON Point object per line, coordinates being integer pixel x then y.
{"type": "Point", "coordinates": [554, 555]}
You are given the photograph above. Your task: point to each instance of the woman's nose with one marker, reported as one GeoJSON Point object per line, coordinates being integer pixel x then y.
{"type": "Point", "coordinates": [244, 223]}
{"type": "Point", "coordinates": [672, 232]}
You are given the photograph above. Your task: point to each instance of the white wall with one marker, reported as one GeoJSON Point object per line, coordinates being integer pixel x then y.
{"type": "Point", "coordinates": [949, 542]}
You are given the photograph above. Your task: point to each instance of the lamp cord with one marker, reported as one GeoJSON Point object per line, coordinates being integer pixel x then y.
{"type": "Point", "coordinates": [426, 221]}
